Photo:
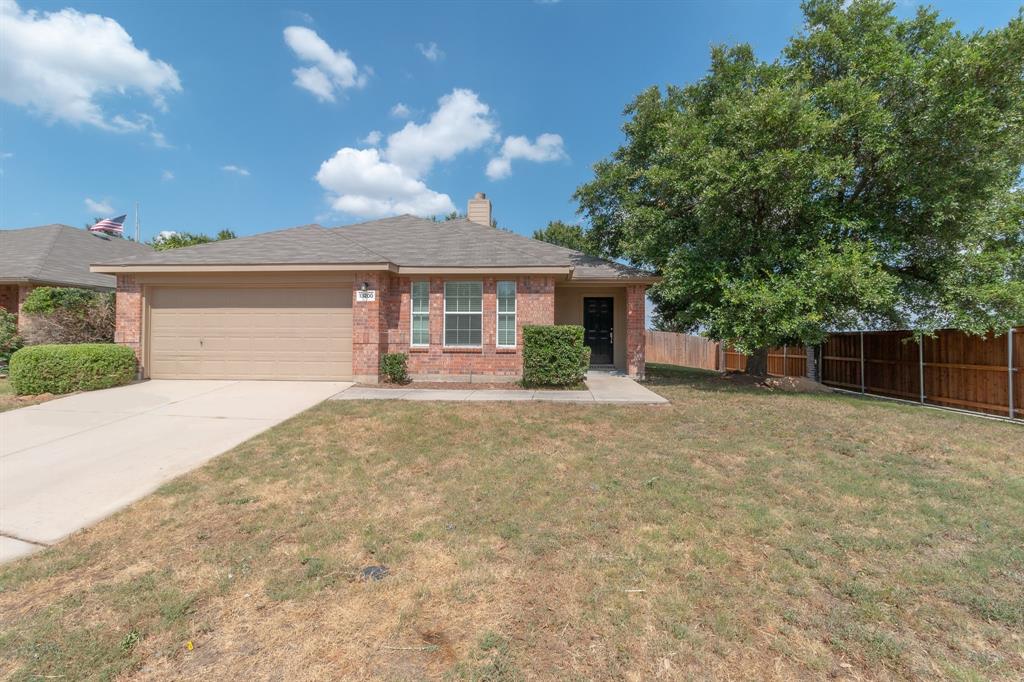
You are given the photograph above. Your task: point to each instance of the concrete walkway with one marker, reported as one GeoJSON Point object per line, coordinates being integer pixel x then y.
{"type": "Point", "coordinates": [70, 462]}
{"type": "Point", "coordinates": [602, 387]}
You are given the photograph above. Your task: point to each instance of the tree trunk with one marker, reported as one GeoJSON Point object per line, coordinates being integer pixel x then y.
{"type": "Point", "coordinates": [757, 363]}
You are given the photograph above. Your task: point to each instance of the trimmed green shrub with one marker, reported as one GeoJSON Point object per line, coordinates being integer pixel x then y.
{"type": "Point", "coordinates": [554, 355]}
{"type": "Point", "coordinates": [394, 368]}
{"type": "Point", "coordinates": [10, 340]}
{"type": "Point", "coordinates": [71, 367]}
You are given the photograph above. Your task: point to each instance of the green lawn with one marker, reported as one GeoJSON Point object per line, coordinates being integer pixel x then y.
{"type": "Point", "coordinates": [737, 533]}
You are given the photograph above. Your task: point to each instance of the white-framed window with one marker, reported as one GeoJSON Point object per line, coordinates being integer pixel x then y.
{"type": "Point", "coordinates": [463, 313]}
{"type": "Point", "coordinates": [507, 314]}
{"type": "Point", "coordinates": [420, 313]}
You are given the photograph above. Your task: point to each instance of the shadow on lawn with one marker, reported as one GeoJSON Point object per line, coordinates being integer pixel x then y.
{"type": "Point", "coordinates": [698, 379]}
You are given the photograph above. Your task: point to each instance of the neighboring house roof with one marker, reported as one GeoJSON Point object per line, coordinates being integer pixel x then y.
{"type": "Point", "coordinates": [60, 254]}
{"type": "Point", "coordinates": [404, 243]}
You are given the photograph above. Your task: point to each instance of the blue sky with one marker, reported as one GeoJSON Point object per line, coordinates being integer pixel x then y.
{"type": "Point", "coordinates": [258, 116]}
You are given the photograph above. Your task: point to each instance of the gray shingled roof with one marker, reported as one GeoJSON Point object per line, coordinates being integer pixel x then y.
{"type": "Point", "coordinates": [404, 241]}
{"type": "Point", "coordinates": [60, 254]}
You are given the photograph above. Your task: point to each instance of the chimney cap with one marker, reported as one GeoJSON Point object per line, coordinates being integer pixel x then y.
{"type": "Point", "coordinates": [480, 195]}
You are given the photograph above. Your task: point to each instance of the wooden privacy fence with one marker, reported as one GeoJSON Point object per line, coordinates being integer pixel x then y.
{"type": "Point", "coordinates": [696, 351]}
{"type": "Point", "coordinates": [952, 369]}
{"type": "Point", "coordinates": [783, 361]}
{"type": "Point", "coordinates": [681, 349]}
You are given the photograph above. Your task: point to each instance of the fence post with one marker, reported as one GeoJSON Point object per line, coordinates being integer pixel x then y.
{"type": "Point", "coordinates": [920, 365]}
{"type": "Point", "coordinates": [862, 384]}
{"type": "Point", "coordinates": [1009, 372]}
{"type": "Point", "coordinates": [785, 360]}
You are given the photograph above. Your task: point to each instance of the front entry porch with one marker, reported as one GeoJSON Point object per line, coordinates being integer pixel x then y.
{"type": "Point", "coordinates": [613, 319]}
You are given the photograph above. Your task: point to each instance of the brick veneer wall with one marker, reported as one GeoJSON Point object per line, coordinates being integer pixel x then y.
{"type": "Point", "coordinates": [128, 302]}
{"type": "Point", "coordinates": [390, 326]}
{"type": "Point", "coordinates": [23, 291]}
{"type": "Point", "coordinates": [636, 337]}
{"type": "Point", "coordinates": [9, 298]}
{"type": "Point", "coordinates": [369, 325]}
{"type": "Point", "coordinates": [12, 297]}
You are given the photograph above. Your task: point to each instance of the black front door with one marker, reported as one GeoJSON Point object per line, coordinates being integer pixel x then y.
{"type": "Point", "coordinates": [597, 325]}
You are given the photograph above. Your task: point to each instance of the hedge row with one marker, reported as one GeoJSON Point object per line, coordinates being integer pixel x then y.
{"type": "Point", "coordinates": [64, 368]}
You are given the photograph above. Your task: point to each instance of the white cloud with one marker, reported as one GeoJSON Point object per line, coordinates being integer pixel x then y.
{"type": "Point", "coordinates": [60, 63]}
{"type": "Point", "coordinates": [160, 140]}
{"type": "Point", "coordinates": [548, 147]}
{"type": "Point", "coordinates": [6, 155]}
{"type": "Point", "coordinates": [315, 81]}
{"type": "Point", "coordinates": [101, 208]}
{"type": "Point", "coordinates": [431, 51]}
{"type": "Point", "coordinates": [461, 123]}
{"type": "Point", "coordinates": [361, 183]}
{"type": "Point", "coordinates": [373, 183]}
{"type": "Point", "coordinates": [400, 111]}
{"type": "Point", "coordinates": [167, 176]}
{"type": "Point", "coordinates": [390, 179]}
{"type": "Point", "coordinates": [232, 168]}
{"type": "Point", "coordinates": [331, 71]}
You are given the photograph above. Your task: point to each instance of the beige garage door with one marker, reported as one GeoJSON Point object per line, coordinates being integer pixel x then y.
{"type": "Point", "coordinates": [250, 333]}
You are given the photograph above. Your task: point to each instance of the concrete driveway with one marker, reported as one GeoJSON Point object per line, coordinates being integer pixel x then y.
{"type": "Point", "coordinates": [70, 462]}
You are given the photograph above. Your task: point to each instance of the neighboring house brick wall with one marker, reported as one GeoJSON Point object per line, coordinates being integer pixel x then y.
{"type": "Point", "coordinates": [128, 330]}
{"type": "Point", "coordinates": [635, 330]}
{"type": "Point", "coordinates": [23, 291]}
{"type": "Point", "coordinates": [9, 297]}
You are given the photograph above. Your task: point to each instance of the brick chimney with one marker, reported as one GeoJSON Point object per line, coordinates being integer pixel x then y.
{"type": "Point", "coordinates": [479, 210]}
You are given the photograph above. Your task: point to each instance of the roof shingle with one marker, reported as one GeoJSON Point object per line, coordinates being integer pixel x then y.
{"type": "Point", "coordinates": [404, 241]}
{"type": "Point", "coordinates": [61, 254]}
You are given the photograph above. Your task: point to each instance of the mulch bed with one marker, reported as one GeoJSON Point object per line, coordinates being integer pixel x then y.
{"type": "Point", "coordinates": [452, 385]}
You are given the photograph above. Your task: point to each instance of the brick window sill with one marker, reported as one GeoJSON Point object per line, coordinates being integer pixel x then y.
{"type": "Point", "coordinates": [509, 351]}
{"type": "Point", "coordinates": [458, 349]}
{"type": "Point", "coordinates": [419, 349]}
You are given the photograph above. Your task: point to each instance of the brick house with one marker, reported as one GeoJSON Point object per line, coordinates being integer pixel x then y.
{"type": "Point", "coordinates": [56, 256]}
{"type": "Point", "coordinates": [325, 303]}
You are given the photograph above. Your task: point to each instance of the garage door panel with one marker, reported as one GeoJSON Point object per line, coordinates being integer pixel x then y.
{"type": "Point", "coordinates": [250, 333]}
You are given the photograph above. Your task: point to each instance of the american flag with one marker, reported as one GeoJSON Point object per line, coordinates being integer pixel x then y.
{"type": "Point", "coordinates": [110, 225]}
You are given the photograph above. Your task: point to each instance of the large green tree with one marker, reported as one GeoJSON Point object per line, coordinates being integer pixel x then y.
{"type": "Point", "coordinates": [178, 240]}
{"type": "Point", "coordinates": [867, 177]}
{"type": "Point", "coordinates": [570, 236]}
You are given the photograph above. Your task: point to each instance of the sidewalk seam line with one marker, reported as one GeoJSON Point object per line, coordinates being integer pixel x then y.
{"type": "Point", "coordinates": [4, 534]}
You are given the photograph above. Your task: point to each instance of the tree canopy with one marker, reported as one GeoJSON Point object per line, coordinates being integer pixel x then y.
{"type": "Point", "coordinates": [455, 215]}
{"type": "Point", "coordinates": [868, 177]}
{"type": "Point", "coordinates": [569, 236]}
{"type": "Point", "coordinates": [177, 240]}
